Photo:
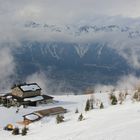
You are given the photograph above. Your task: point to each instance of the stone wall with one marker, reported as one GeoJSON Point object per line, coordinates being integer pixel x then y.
{"type": "Point", "coordinates": [18, 92]}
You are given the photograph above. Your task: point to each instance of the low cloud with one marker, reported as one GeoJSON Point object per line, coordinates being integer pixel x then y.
{"type": "Point", "coordinates": [103, 88]}
{"type": "Point", "coordinates": [41, 79]}
{"type": "Point", "coordinates": [128, 82]}
{"type": "Point", "coordinates": [7, 68]}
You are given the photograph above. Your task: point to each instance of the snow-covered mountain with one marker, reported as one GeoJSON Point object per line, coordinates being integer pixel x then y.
{"type": "Point", "coordinates": [79, 29]}
{"type": "Point", "coordinates": [78, 56]}
{"type": "Point", "coordinates": [74, 65]}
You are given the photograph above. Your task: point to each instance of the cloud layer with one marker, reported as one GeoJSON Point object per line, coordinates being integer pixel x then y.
{"type": "Point", "coordinates": [14, 14]}
{"type": "Point", "coordinates": [66, 11]}
{"type": "Point", "coordinates": [129, 82]}
{"type": "Point", "coordinates": [7, 68]}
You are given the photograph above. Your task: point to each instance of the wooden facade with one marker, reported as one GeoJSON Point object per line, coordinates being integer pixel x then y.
{"type": "Point", "coordinates": [51, 111]}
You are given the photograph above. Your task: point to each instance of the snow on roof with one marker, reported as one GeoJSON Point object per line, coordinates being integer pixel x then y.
{"type": "Point", "coordinates": [32, 117]}
{"type": "Point", "coordinates": [9, 97]}
{"type": "Point", "coordinates": [34, 98]}
{"type": "Point", "coordinates": [30, 87]}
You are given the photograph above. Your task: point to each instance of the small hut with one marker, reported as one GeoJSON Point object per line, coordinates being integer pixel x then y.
{"type": "Point", "coordinates": [37, 115]}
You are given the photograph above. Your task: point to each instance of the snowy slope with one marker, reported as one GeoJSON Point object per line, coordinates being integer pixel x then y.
{"type": "Point", "coordinates": [120, 122]}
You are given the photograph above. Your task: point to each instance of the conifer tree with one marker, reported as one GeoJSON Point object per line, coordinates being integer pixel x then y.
{"type": "Point", "coordinates": [113, 99]}
{"type": "Point", "coordinates": [24, 131]}
{"type": "Point", "coordinates": [59, 118]}
{"type": "Point", "coordinates": [87, 107]}
{"type": "Point", "coordinates": [91, 105]}
{"type": "Point", "coordinates": [80, 118]}
{"type": "Point", "coordinates": [15, 131]}
{"type": "Point", "coordinates": [101, 106]}
{"type": "Point", "coordinates": [76, 111]}
{"type": "Point", "coordinates": [92, 101]}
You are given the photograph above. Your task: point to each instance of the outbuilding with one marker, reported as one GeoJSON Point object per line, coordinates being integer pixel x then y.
{"type": "Point", "coordinates": [37, 115]}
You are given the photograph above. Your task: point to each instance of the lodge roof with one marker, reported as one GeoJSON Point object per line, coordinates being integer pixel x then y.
{"type": "Point", "coordinates": [47, 97]}
{"type": "Point", "coordinates": [27, 87]}
{"type": "Point", "coordinates": [34, 116]}
{"type": "Point", "coordinates": [51, 111]}
{"type": "Point", "coordinates": [38, 98]}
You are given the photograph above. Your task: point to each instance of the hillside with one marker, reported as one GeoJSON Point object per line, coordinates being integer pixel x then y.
{"type": "Point", "coordinates": [119, 122]}
{"type": "Point", "coordinates": [67, 67]}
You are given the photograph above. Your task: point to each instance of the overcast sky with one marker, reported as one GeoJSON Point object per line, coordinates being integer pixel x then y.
{"type": "Point", "coordinates": [15, 13]}
{"type": "Point", "coordinates": [65, 11]}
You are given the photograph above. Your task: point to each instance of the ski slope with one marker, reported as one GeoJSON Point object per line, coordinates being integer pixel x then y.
{"type": "Point", "coordinates": [119, 122]}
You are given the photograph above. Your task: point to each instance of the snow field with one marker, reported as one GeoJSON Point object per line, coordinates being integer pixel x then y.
{"type": "Point", "coordinates": [119, 122]}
